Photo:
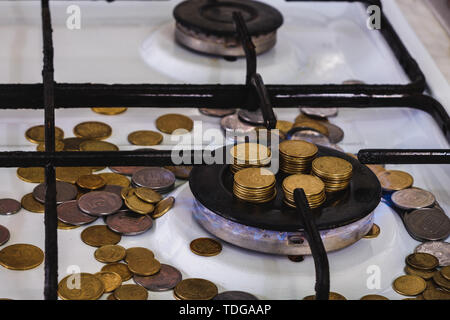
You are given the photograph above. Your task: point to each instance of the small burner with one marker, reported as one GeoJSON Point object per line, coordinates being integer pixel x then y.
{"type": "Point", "coordinates": [207, 25]}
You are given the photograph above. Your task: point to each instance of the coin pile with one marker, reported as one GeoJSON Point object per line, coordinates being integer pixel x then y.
{"type": "Point", "coordinates": [249, 155]}
{"type": "Point", "coordinates": [335, 172]}
{"type": "Point", "coordinates": [296, 156]}
{"type": "Point", "coordinates": [255, 185]}
{"type": "Point", "coordinates": [313, 187]}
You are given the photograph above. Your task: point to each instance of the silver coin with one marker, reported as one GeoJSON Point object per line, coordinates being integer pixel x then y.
{"type": "Point", "coordinates": [156, 178]}
{"type": "Point", "coordinates": [4, 235]}
{"type": "Point", "coordinates": [129, 223]}
{"type": "Point", "coordinates": [253, 117]}
{"type": "Point", "coordinates": [430, 224]}
{"type": "Point", "coordinates": [235, 295]}
{"type": "Point", "coordinates": [413, 198]}
{"type": "Point", "coordinates": [64, 192]}
{"type": "Point", "coordinates": [166, 279]}
{"type": "Point", "coordinates": [232, 125]}
{"type": "Point", "coordinates": [353, 82]}
{"type": "Point", "coordinates": [9, 206]}
{"type": "Point", "coordinates": [335, 134]}
{"type": "Point", "coordinates": [439, 249]}
{"type": "Point", "coordinates": [320, 112]}
{"type": "Point", "coordinates": [311, 136]}
{"type": "Point", "coordinates": [68, 212]}
{"type": "Point", "coordinates": [217, 112]}
{"type": "Point", "coordinates": [100, 203]}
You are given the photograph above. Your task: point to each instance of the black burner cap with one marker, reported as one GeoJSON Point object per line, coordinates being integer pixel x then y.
{"type": "Point", "coordinates": [215, 17]}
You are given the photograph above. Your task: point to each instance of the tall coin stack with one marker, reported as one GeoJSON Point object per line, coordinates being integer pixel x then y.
{"type": "Point", "coordinates": [296, 156]}
{"type": "Point", "coordinates": [314, 189]}
{"type": "Point", "coordinates": [336, 173]}
{"type": "Point", "coordinates": [255, 185]}
{"type": "Point", "coordinates": [249, 155]}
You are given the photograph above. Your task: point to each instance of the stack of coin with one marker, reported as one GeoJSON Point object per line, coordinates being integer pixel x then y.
{"type": "Point", "coordinates": [255, 185]}
{"type": "Point", "coordinates": [249, 155]}
{"type": "Point", "coordinates": [314, 189]}
{"type": "Point", "coordinates": [336, 173]}
{"type": "Point", "coordinates": [296, 156]}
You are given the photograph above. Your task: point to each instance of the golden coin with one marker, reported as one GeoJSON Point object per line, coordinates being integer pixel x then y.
{"type": "Point", "coordinates": [66, 226]}
{"type": "Point", "coordinates": [131, 292]}
{"type": "Point", "coordinates": [126, 191]}
{"type": "Point", "coordinates": [373, 233]}
{"type": "Point", "coordinates": [284, 126]}
{"type": "Point", "coordinates": [298, 149]}
{"type": "Point", "coordinates": [72, 144]}
{"type": "Point", "coordinates": [409, 285]}
{"type": "Point", "coordinates": [374, 297]}
{"type": "Point", "coordinates": [145, 138]}
{"type": "Point", "coordinates": [81, 286]}
{"type": "Point", "coordinates": [424, 274]}
{"type": "Point", "coordinates": [115, 179]}
{"type": "Point", "coordinates": [255, 178]}
{"type": "Point", "coordinates": [71, 174]}
{"type": "Point", "coordinates": [206, 247]}
{"type": "Point", "coordinates": [393, 180]}
{"type": "Point", "coordinates": [445, 272]}
{"type": "Point", "coordinates": [59, 146]}
{"type": "Point", "coordinates": [310, 184]}
{"type": "Point", "coordinates": [436, 294]}
{"type": "Point", "coordinates": [250, 153]}
{"type": "Point", "coordinates": [91, 182]}
{"type": "Point", "coordinates": [422, 261]}
{"type": "Point", "coordinates": [96, 145]}
{"type": "Point", "coordinates": [33, 174]}
{"type": "Point", "coordinates": [163, 207]}
{"type": "Point", "coordinates": [111, 297]}
{"type": "Point", "coordinates": [109, 111]}
{"type": "Point", "coordinates": [196, 289]}
{"type": "Point", "coordinates": [170, 122]}
{"type": "Point", "coordinates": [332, 167]}
{"type": "Point", "coordinates": [37, 134]}
{"type": "Point", "coordinates": [110, 253]}
{"type": "Point", "coordinates": [98, 236]}
{"type": "Point", "coordinates": [29, 203]}
{"type": "Point", "coordinates": [441, 281]}
{"type": "Point", "coordinates": [137, 205]}
{"type": "Point", "coordinates": [92, 130]}
{"type": "Point", "coordinates": [138, 253]}
{"type": "Point", "coordinates": [376, 169]}
{"type": "Point", "coordinates": [121, 269]}
{"type": "Point", "coordinates": [111, 280]}
{"type": "Point", "coordinates": [312, 124]}
{"type": "Point", "coordinates": [148, 195]}
{"type": "Point", "coordinates": [144, 266]}
{"type": "Point", "coordinates": [332, 296]}
{"type": "Point", "coordinates": [21, 257]}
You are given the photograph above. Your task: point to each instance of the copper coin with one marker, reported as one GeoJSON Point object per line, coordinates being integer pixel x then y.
{"type": "Point", "coordinates": [235, 295]}
{"type": "Point", "coordinates": [100, 203]}
{"type": "Point", "coordinates": [4, 235]}
{"type": "Point", "coordinates": [128, 171]}
{"type": "Point", "coordinates": [216, 112]}
{"type": "Point", "coordinates": [428, 224]}
{"type": "Point", "coordinates": [68, 212]}
{"type": "Point", "coordinates": [64, 192]}
{"type": "Point", "coordinates": [129, 223]}
{"type": "Point", "coordinates": [113, 189]}
{"type": "Point", "coordinates": [158, 179]}
{"type": "Point", "coordinates": [181, 172]}
{"type": "Point", "coordinates": [166, 279]}
{"type": "Point", "coordinates": [9, 206]}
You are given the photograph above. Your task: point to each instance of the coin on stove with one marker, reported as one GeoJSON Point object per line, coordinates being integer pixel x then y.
{"type": "Point", "coordinates": [98, 236]}
{"type": "Point", "coordinates": [9, 206]}
{"type": "Point", "coordinates": [441, 281]}
{"type": "Point", "coordinates": [320, 112]}
{"type": "Point", "coordinates": [109, 111]}
{"type": "Point", "coordinates": [374, 297]}
{"type": "Point", "coordinates": [21, 257]}
{"type": "Point", "coordinates": [235, 295]}
{"type": "Point", "coordinates": [439, 249]}
{"type": "Point", "coordinates": [424, 274]}
{"type": "Point", "coordinates": [445, 272]}
{"type": "Point", "coordinates": [92, 130]}
{"type": "Point", "coordinates": [145, 138]}
{"type": "Point", "coordinates": [253, 117]}
{"type": "Point", "coordinates": [100, 203]}
{"type": "Point", "coordinates": [110, 253]}
{"type": "Point", "coordinates": [409, 285]}
{"type": "Point", "coordinates": [147, 195]}
{"type": "Point", "coordinates": [37, 134]}
{"type": "Point", "coordinates": [430, 224]}
{"type": "Point", "coordinates": [68, 212]}
{"type": "Point", "coordinates": [111, 280]}
{"type": "Point", "coordinates": [115, 179]}
{"type": "Point", "coordinates": [129, 223]}
{"type": "Point", "coordinates": [394, 180]}
{"type": "Point", "coordinates": [216, 112]}
{"type": "Point", "coordinates": [91, 182]}
{"type": "Point", "coordinates": [137, 205]}
{"type": "Point", "coordinates": [172, 122]}
{"type": "Point", "coordinates": [4, 235]}
{"type": "Point", "coordinates": [158, 179]}
{"type": "Point", "coordinates": [144, 267]}
{"type": "Point", "coordinates": [284, 126]}
{"type": "Point", "coordinates": [33, 174]}
{"type": "Point", "coordinates": [166, 279]}
{"type": "Point", "coordinates": [71, 174]}
{"type": "Point", "coordinates": [120, 268]}
{"type": "Point", "coordinates": [180, 172]}
{"type": "Point", "coordinates": [195, 289]}
{"type": "Point", "coordinates": [413, 198]}
{"type": "Point", "coordinates": [90, 287]}
{"type": "Point", "coordinates": [374, 232]}
{"type": "Point", "coordinates": [163, 207]}
{"type": "Point", "coordinates": [131, 292]}
{"type": "Point", "coordinates": [422, 261]}
{"type": "Point", "coordinates": [64, 192]}
{"type": "Point", "coordinates": [138, 253]}
{"type": "Point", "coordinates": [206, 247]}
{"type": "Point", "coordinates": [59, 146]}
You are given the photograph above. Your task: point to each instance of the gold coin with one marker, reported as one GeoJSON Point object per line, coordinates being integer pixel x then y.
{"type": "Point", "coordinates": [96, 145]}
{"type": "Point", "coordinates": [144, 267]}
{"type": "Point", "coordinates": [66, 226]}
{"type": "Point", "coordinates": [374, 297]}
{"type": "Point", "coordinates": [310, 184]}
{"type": "Point", "coordinates": [250, 153]}
{"type": "Point", "coordinates": [145, 138]}
{"type": "Point", "coordinates": [206, 247]}
{"type": "Point", "coordinates": [115, 179]}
{"type": "Point", "coordinates": [373, 233]}
{"type": "Point", "coordinates": [21, 257]}
{"type": "Point", "coordinates": [137, 205]}
{"type": "Point", "coordinates": [332, 167]}
{"type": "Point", "coordinates": [393, 180]}
{"type": "Point", "coordinates": [131, 292]}
{"type": "Point", "coordinates": [126, 191]}
{"type": "Point", "coordinates": [111, 280]}
{"type": "Point", "coordinates": [111, 297]}
{"type": "Point", "coordinates": [37, 134]}
{"type": "Point", "coordinates": [81, 286]}
{"type": "Point", "coordinates": [171, 122]}
{"type": "Point", "coordinates": [148, 195]}
{"type": "Point", "coordinates": [422, 261]}
{"type": "Point", "coordinates": [298, 149]}
{"type": "Point", "coordinates": [445, 272]}
{"type": "Point", "coordinates": [376, 169]}
{"type": "Point", "coordinates": [312, 124]}
{"type": "Point", "coordinates": [255, 178]}
{"type": "Point", "coordinates": [71, 174]}
{"type": "Point", "coordinates": [72, 144]}
{"type": "Point", "coordinates": [284, 126]}
{"type": "Point", "coordinates": [92, 130]}
{"type": "Point", "coordinates": [441, 281]}
{"type": "Point", "coordinates": [424, 274]}
{"type": "Point", "coordinates": [109, 111]}
{"type": "Point", "coordinates": [98, 236]}
{"type": "Point", "coordinates": [138, 253]}
{"type": "Point", "coordinates": [29, 203]}
{"type": "Point", "coordinates": [409, 285]}
{"type": "Point", "coordinates": [436, 294]}
{"type": "Point", "coordinates": [163, 207]}
{"type": "Point", "coordinates": [110, 253]}
{"type": "Point", "coordinates": [332, 296]}
{"type": "Point", "coordinates": [33, 174]}
{"type": "Point", "coordinates": [196, 289]}
{"type": "Point", "coordinates": [91, 182]}
{"type": "Point", "coordinates": [59, 146]}
{"type": "Point", "coordinates": [121, 269]}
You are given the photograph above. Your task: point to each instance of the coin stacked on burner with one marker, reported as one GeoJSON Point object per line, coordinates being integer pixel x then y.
{"type": "Point", "coordinates": [313, 187]}
{"type": "Point", "coordinates": [255, 185]}
{"type": "Point", "coordinates": [296, 156]}
{"type": "Point", "coordinates": [335, 172]}
{"type": "Point", "coordinates": [249, 155]}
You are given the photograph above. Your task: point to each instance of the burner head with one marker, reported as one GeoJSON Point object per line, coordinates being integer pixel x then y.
{"type": "Point", "coordinates": [208, 26]}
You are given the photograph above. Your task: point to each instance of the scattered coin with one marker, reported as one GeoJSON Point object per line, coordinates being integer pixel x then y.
{"type": "Point", "coordinates": [332, 296]}
{"type": "Point", "coordinates": [4, 235]}
{"type": "Point", "coordinates": [90, 287]}
{"type": "Point", "coordinates": [422, 261]}
{"type": "Point", "coordinates": [158, 179]}
{"type": "Point", "coordinates": [91, 182]}
{"type": "Point", "coordinates": [195, 289]}
{"type": "Point", "coordinates": [430, 224]}
{"type": "Point", "coordinates": [144, 266]}
{"type": "Point", "coordinates": [138, 253]}
{"type": "Point", "coordinates": [113, 189]}
{"type": "Point", "coordinates": [109, 111]}
{"type": "Point", "coordinates": [98, 236]}
{"type": "Point", "coordinates": [59, 146]}
{"type": "Point", "coordinates": [131, 292]}
{"type": "Point", "coordinates": [64, 192]}
{"type": "Point", "coordinates": [394, 180]}
{"type": "Point", "coordinates": [409, 285]}
{"type": "Point", "coordinates": [37, 134]}
{"type": "Point", "coordinates": [129, 171]}
{"type": "Point", "coordinates": [100, 203]}
{"type": "Point", "coordinates": [129, 223]}
{"type": "Point", "coordinates": [21, 257]}
{"type": "Point", "coordinates": [424, 274]}
{"type": "Point", "coordinates": [232, 126]}
{"type": "Point", "coordinates": [441, 281]}
{"type": "Point", "coordinates": [145, 138]}
{"type": "Point", "coordinates": [72, 144]}
{"type": "Point", "coordinates": [110, 253]}
{"type": "Point", "coordinates": [126, 191]}
{"type": "Point", "coordinates": [438, 249]}
{"type": "Point", "coordinates": [413, 198]}
{"type": "Point", "coordinates": [206, 247]}
{"type": "Point", "coordinates": [166, 279]}
{"type": "Point", "coordinates": [92, 130]}
{"type": "Point", "coordinates": [373, 233]}
{"type": "Point", "coordinates": [252, 117]}
{"type": "Point", "coordinates": [320, 112]}
{"type": "Point", "coordinates": [66, 226]}
{"type": "Point", "coordinates": [216, 112]}
{"type": "Point", "coordinates": [115, 179]}
{"type": "Point", "coordinates": [173, 122]}
{"type": "Point", "coordinates": [436, 294]}
{"type": "Point", "coordinates": [71, 174]}
{"type": "Point", "coordinates": [163, 207]}
{"type": "Point", "coordinates": [235, 295]}
{"type": "Point", "coordinates": [180, 172]}
{"type": "Point", "coordinates": [68, 212]}
{"type": "Point", "coordinates": [33, 174]}
{"type": "Point", "coordinates": [95, 145]}
{"type": "Point", "coordinates": [137, 205]}
{"type": "Point", "coordinates": [120, 268]}
{"type": "Point", "coordinates": [445, 272]}
{"type": "Point", "coordinates": [9, 206]}
{"type": "Point", "coordinates": [148, 195]}
{"type": "Point", "coordinates": [374, 297]}
{"type": "Point", "coordinates": [310, 136]}
{"type": "Point", "coordinates": [111, 280]}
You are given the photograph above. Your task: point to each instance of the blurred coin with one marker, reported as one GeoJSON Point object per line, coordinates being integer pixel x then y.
{"type": "Point", "coordinates": [445, 272]}
{"type": "Point", "coordinates": [111, 280]}
{"type": "Point", "coordinates": [110, 253]}
{"type": "Point", "coordinates": [441, 281]}
{"type": "Point", "coordinates": [129, 223]}
{"type": "Point", "coordinates": [394, 180]}
{"type": "Point", "coordinates": [21, 257]}
{"type": "Point", "coordinates": [138, 253]}
{"type": "Point", "coordinates": [409, 285]}
{"type": "Point", "coordinates": [428, 224]}
{"type": "Point", "coordinates": [413, 198]}
{"type": "Point", "coordinates": [100, 203]}
{"type": "Point", "coordinates": [71, 174]}
{"type": "Point", "coordinates": [109, 111]}
{"type": "Point", "coordinates": [129, 171]}
{"type": "Point", "coordinates": [216, 112]}
{"type": "Point", "coordinates": [91, 182]}
{"type": "Point", "coordinates": [90, 287]}
{"type": "Point", "coordinates": [98, 236]}
{"type": "Point", "coordinates": [335, 133]}
{"type": "Point", "coordinates": [158, 179]}
{"type": "Point", "coordinates": [137, 205]}
{"type": "Point", "coordinates": [206, 247]}
{"type": "Point", "coordinates": [72, 144]}
{"type": "Point", "coordinates": [59, 146]}
{"type": "Point", "coordinates": [126, 191]}
{"type": "Point", "coordinates": [145, 138]}
{"type": "Point", "coordinates": [235, 295]}
{"type": "Point", "coordinates": [37, 134]}
{"type": "Point", "coordinates": [296, 258]}
{"type": "Point", "coordinates": [332, 296]}
{"type": "Point", "coordinates": [115, 179]}
{"type": "Point", "coordinates": [113, 189]}
{"type": "Point", "coordinates": [163, 207]}
{"type": "Point", "coordinates": [284, 126]}
{"type": "Point", "coordinates": [439, 249]}
{"type": "Point", "coordinates": [33, 174]}
{"type": "Point", "coordinates": [95, 145]}
{"type": "Point", "coordinates": [320, 112]}
{"type": "Point", "coordinates": [436, 294]}
{"type": "Point", "coordinates": [252, 117]}
{"type": "Point", "coordinates": [111, 297]}
{"type": "Point", "coordinates": [4, 235]}
{"type": "Point", "coordinates": [312, 125]}
{"type": "Point", "coordinates": [422, 261]}
{"type": "Point", "coordinates": [374, 297]}
{"type": "Point", "coordinates": [196, 289]}
{"type": "Point", "coordinates": [353, 82]}
{"type": "Point", "coordinates": [166, 279]}
{"type": "Point", "coordinates": [147, 195]}
{"type": "Point", "coordinates": [92, 130]}
{"type": "Point", "coordinates": [373, 233]}
{"type": "Point", "coordinates": [131, 292]}
{"type": "Point", "coordinates": [64, 192]}
{"type": "Point", "coordinates": [424, 274]}
{"type": "Point", "coordinates": [233, 126]}
{"type": "Point", "coordinates": [180, 172]}
{"type": "Point", "coordinates": [169, 123]}
{"type": "Point", "coordinates": [9, 206]}
{"type": "Point", "coordinates": [120, 268]}
{"type": "Point", "coordinates": [66, 226]}
{"type": "Point", "coordinates": [310, 136]}
{"type": "Point", "coordinates": [144, 267]}
{"type": "Point", "coordinates": [68, 212]}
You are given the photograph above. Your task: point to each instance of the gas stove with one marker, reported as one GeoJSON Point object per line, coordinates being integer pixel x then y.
{"type": "Point", "coordinates": [318, 46]}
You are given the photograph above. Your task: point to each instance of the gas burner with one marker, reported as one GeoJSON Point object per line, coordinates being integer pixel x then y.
{"type": "Point", "coordinates": [208, 26]}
